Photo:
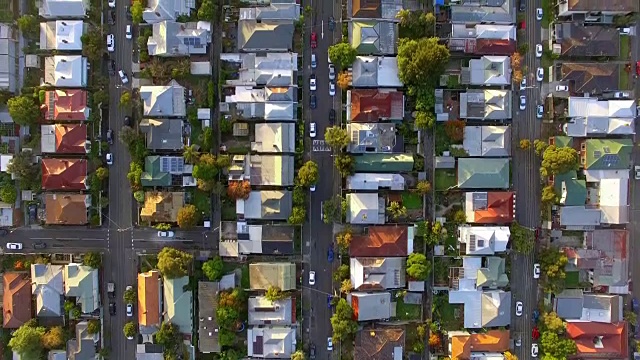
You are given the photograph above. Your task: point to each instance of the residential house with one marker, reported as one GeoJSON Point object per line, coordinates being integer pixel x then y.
{"type": "Point", "coordinates": [64, 139]}
{"type": "Point", "coordinates": [163, 134]}
{"type": "Point", "coordinates": [483, 240]}
{"type": "Point", "coordinates": [149, 351]}
{"type": "Point", "coordinates": [161, 206]}
{"type": "Point", "coordinates": [487, 141]}
{"type": "Point", "coordinates": [267, 170]}
{"type": "Point", "coordinates": [238, 238]}
{"type": "Point", "coordinates": [593, 117]}
{"type": "Point", "coordinates": [491, 344]}
{"type": "Point", "coordinates": [393, 241]}
{"type": "Point", "coordinates": [263, 275]}
{"type": "Point", "coordinates": [263, 69]}
{"type": "Point", "coordinates": [47, 287]}
{"type": "Point", "coordinates": [265, 35]}
{"type": "Point", "coordinates": [83, 347]}
{"type": "Point", "coordinates": [594, 9]}
{"type": "Point", "coordinates": [572, 190]}
{"type": "Point", "coordinates": [374, 37]}
{"type": "Point", "coordinates": [164, 101]}
{"type": "Point", "coordinates": [494, 12]}
{"type": "Point", "coordinates": [207, 326]}
{"type": "Point", "coordinates": [66, 71]}
{"type": "Point", "coordinates": [373, 181]}
{"type": "Point", "coordinates": [383, 163]}
{"type": "Point", "coordinates": [386, 343]}
{"type": "Point", "coordinates": [154, 175]}
{"type": "Point", "coordinates": [487, 71]}
{"type": "Point", "coordinates": [8, 58]}
{"type": "Point", "coordinates": [593, 78]}
{"type": "Point", "coordinates": [365, 208]}
{"type": "Point", "coordinates": [149, 300]}
{"type": "Point", "coordinates": [574, 39]}
{"type": "Point", "coordinates": [67, 209]}
{"type": "Point", "coordinates": [171, 39]}
{"type": "Point", "coordinates": [483, 173]}
{"type": "Point", "coordinates": [178, 304]}
{"type": "Point", "coordinates": [375, 72]}
{"type": "Point", "coordinates": [573, 304]}
{"type": "Point", "coordinates": [64, 174]}
{"type": "Point", "coordinates": [274, 138]}
{"type": "Point", "coordinates": [378, 273]}
{"type": "Point", "coordinates": [161, 10]}
{"type": "Point", "coordinates": [81, 282]}
{"type": "Point", "coordinates": [374, 9]}
{"type": "Point", "coordinates": [606, 154]}
{"type": "Point", "coordinates": [374, 138]}
{"type": "Point", "coordinates": [483, 309]}
{"type": "Point", "coordinates": [373, 105]}
{"type": "Point", "coordinates": [16, 299]}
{"type": "Point", "coordinates": [270, 103]}
{"type": "Point", "coordinates": [276, 10]}
{"type": "Point", "coordinates": [66, 105]}
{"type": "Point", "coordinates": [57, 355]}
{"type": "Point", "coordinates": [266, 205]}
{"type": "Point", "coordinates": [275, 342]}
{"type": "Point", "coordinates": [477, 104]}
{"type": "Point", "coordinates": [483, 39]}
{"type": "Point", "coordinates": [271, 313]}
{"type": "Point", "coordinates": [372, 306]}
{"type": "Point", "coordinates": [61, 35]}
{"type": "Point", "coordinates": [478, 273]}
{"type": "Point", "coordinates": [598, 340]}
{"type": "Point", "coordinates": [490, 207]}
{"type": "Point", "coordinates": [66, 9]}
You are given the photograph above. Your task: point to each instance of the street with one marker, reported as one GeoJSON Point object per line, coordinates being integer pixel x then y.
{"type": "Point", "coordinates": [634, 188]}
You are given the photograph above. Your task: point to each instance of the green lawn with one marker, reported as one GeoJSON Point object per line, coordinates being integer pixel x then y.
{"type": "Point", "coordinates": [450, 316]}
{"type": "Point", "coordinates": [412, 201]}
{"type": "Point", "coordinates": [547, 13]}
{"type": "Point", "coordinates": [445, 179]}
{"type": "Point", "coordinates": [229, 211]}
{"type": "Point", "coordinates": [624, 47]}
{"type": "Point", "coordinates": [623, 82]}
{"type": "Point", "coordinates": [572, 279]}
{"type": "Point", "coordinates": [202, 201]}
{"type": "Point", "coordinates": [407, 311]}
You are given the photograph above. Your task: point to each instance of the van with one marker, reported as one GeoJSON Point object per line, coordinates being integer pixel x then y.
{"type": "Point", "coordinates": [314, 63]}
{"type": "Point", "coordinates": [562, 88]}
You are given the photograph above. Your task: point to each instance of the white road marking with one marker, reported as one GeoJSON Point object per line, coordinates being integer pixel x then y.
{"type": "Point", "coordinates": [41, 238]}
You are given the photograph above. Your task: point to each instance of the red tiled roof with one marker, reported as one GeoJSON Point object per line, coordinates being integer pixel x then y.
{"type": "Point", "coordinates": [71, 138]}
{"type": "Point", "coordinates": [499, 209]}
{"type": "Point", "coordinates": [371, 105]}
{"type": "Point", "coordinates": [66, 105]}
{"type": "Point", "coordinates": [16, 301]}
{"type": "Point", "coordinates": [382, 241]}
{"type": "Point", "coordinates": [495, 47]}
{"type": "Point", "coordinates": [64, 174]}
{"type": "Point", "coordinates": [613, 337]}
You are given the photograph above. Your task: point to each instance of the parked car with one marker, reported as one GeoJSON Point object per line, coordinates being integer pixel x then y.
{"type": "Point", "coordinates": [519, 308]}
{"type": "Point", "coordinates": [540, 74]}
{"type": "Point", "coordinates": [111, 43]}
{"type": "Point", "coordinates": [111, 65]}
{"type": "Point", "coordinates": [636, 169]}
{"type": "Point", "coordinates": [332, 72]}
{"type": "Point", "coordinates": [313, 86]}
{"type": "Point", "coordinates": [523, 84]}
{"type": "Point", "coordinates": [523, 5]}
{"type": "Point", "coordinates": [539, 111]}
{"type": "Point", "coordinates": [638, 68]}
{"type": "Point", "coordinates": [329, 344]}
{"type": "Point", "coordinates": [112, 308]}
{"type": "Point", "coordinates": [314, 63]}
{"type": "Point", "coordinates": [536, 271]}
{"type": "Point", "coordinates": [112, 4]}
{"type": "Point", "coordinates": [329, 300]}
{"type": "Point", "coordinates": [33, 213]}
{"type": "Point", "coordinates": [128, 33]}
{"type": "Point", "coordinates": [562, 88]}
{"type": "Point", "coordinates": [523, 102]}
{"type": "Point", "coordinates": [127, 120]}
{"type": "Point", "coordinates": [519, 341]}
{"type": "Point", "coordinates": [312, 351]}
{"type": "Point", "coordinates": [312, 278]}
{"type": "Point", "coordinates": [625, 31]}
{"type": "Point", "coordinates": [313, 101]}
{"type": "Point", "coordinates": [123, 76]}
{"type": "Point", "coordinates": [535, 333]}
{"type": "Point", "coordinates": [14, 246]}
{"type": "Point", "coordinates": [539, 14]}
{"type": "Point", "coordinates": [39, 245]}
{"type": "Point", "coordinates": [312, 130]}
{"type": "Point", "coordinates": [621, 95]}
{"type": "Point", "coordinates": [332, 89]}
{"type": "Point", "coordinates": [109, 158]}
{"type": "Point", "coordinates": [167, 234]}
{"type": "Point", "coordinates": [129, 310]}
{"type": "Point", "coordinates": [534, 350]}
{"type": "Point", "coordinates": [314, 40]}
{"type": "Point", "coordinates": [330, 254]}
{"type": "Point", "coordinates": [312, 188]}
{"type": "Point", "coordinates": [332, 117]}
{"type": "Point", "coordinates": [535, 316]}
{"type": "Point", "coordinates": [538, 50]}
{"type": "Point", "coordinates": [127, 10]}
{"type": "Point", "coordinates": [110, 136]}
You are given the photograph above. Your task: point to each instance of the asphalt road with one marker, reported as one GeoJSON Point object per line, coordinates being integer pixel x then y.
{"type": "Point", "coordinates": [634, 185]}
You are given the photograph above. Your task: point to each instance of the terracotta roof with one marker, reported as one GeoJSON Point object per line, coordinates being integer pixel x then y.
{"type": "Point", "coordinates": [388, 241]}
{"type": "Point", "coordinates": [66, 105]}
{"type": "Point", "coordinates": [603, 6]}
{"type": "Point", "coordinates": [499, 209]}
{"type": "Point", "coordinates": [366, 9]}
{"type": "Point", "coordinates": [66, 209]}
{"type": "Point", "coordinates": [71, 138]}
{"type": "Point", "coordinates": [148, 298]}
{"type": "Point", "coordinates": [591, 77]}
{"type": "Point", "coordinates": [64, 174]}
{"type": "Point", "coordinates": [371, 105]}
{"type": "Point", "coordinates": [378, 344]}
{"type": "Point", "coordinates": [613, 337]}
{"type": "Point", "coordinates": [495, 47]}
{"type": "Point", "coordinates": [491, 341]}
{"type": "Point", "coordinates": [16, 301]}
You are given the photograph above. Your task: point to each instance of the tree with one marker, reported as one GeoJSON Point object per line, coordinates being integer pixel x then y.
{"type": "Point", "coordinates": [213, 269]}
{"type": "Point", "coordinates": [417, 266]}
{"type": "Point", "coordinates": [342, 273]}
{"type": "Point", "coordinates": [345, 164]}
{"type": "Point", "coordinates": [416, 24]}
{"type": "Point", "coordinates": [540, 146]}
{"type": "Point", "coordinates": [190, 154]}
{"type": "Point", "coordinates": [559, 348]}
{"type": "Point", "coordinates": [517, 76]}
{"type": "Point", "coordinates": [454, 130]}
{"type": "Point", "coordinates": [423, 187]}
{"type": "Point", "coordinates": [29, 25]}
{"type": "Point", "coordinates": [298, 355]}
{"type": "Point", "coordinates": [101, 97]}
{"type": "Point", "coordinates": [525, 144]}
{"type": "Point", "coordinates": [24, 110]}
{"type": "Point", "coordinates": [174, 263]}
{"type": "Point", "coordinates": [223, 161]}
{"type": "Point", "coordinates": [522, 239]}
{"type": "Point", "coordinates": [342, 55]}
{"type": "Point", "coordinates": [130, 329]}
{"type": "Point", "coordinates": [93, 44]}
{"type": "Point", "coordinates": [332, 210]}
{"type": "Point", "coordinates": [168, 335]}
{"type": "Point", "coordinates": [102, 173]}
{"type": "Point", "coordinates": [226, 337]}
{"type": "Point", "coordinates": [139, 196]}
{"type": "Point", "coordinates": [336, 137]}
{"type": "Point", "coordinates": [234, 298]}
{"type": "Point", "coordinates": [342, 322]}
{"type": "Point", "coordinates": [630, 317]}
{"type": "Point", "coordinates": [27, 340]}
{"type": "Point", "coordinates": [434, 340]}
{"type": "Point", "coordinates": [207, 11]}
{"type": "Point", "coordinates": [130, 296]}
{"type": "Point", "coordinates": [509, 356]}
{"type": "Point", "coordinates": [396, 210]}
{"type": "Point", "coordinates": [344, 80]}
{"type": "Point", "coordinates": [54, 338]}
{"type": "Point", "coordinates": [274, 293]}
{"type": "Point", "coordinates": [134, 176]}
{"type": "Point", "coordinates": [136, 11]}
{"type": "Point", "coordinates": [346, 286]}
{"type": "Point", "coordinates": [424, 120]}
{"type": "Point", "coordinates": [125, 99]}
{"type": "Point", "coordinates": [93, 326]}
{"type": "Point", "coordinates": [92, 259]}
{"type": "Point", "coordinates": [298, 215]}
{"type": "Point", "coordinates": [344, 240]}
{"type": "Point", "coordinates": [23, 168]}
{"type": "Point", "coordinates": [8, 193]}
{"type": "Point", "coordinates": [299, 196]}
{"type": "Point", "coordinates": [421, 61]}
{"type": "Point", "coordinates": [552, 263]}
{"type": "Point", "coordinates": [127, 135]}
{"type": "Point", "coordinates": [239, 189]}
{"type": "Point", "coordinates": [549, 195]}
{"type": "Point", "coordinates": [181, 68]}
{"type": "Point", "coordinates": [206, 168]}
{"type": "Point", "coordinates": [553, 322]}
{"type": "Point", "coordinates": [557, 160]}
{"type": "Point", "coordinates": [188, 216]}
{"type": "Point", "coordinates": [308, 174]}
{"type": "Point", "coordinates": [516, 60]}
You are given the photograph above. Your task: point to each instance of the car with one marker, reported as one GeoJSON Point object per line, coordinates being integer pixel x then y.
{"type": "Point", "coordinates": [329, 301]}
{"type": "Point", "coordinates": [523, 84]}
{"type": "Point", "coordinates": [625, 31]}
{"type": "Point", "coordinates": [536, 271]}
{"type": "Point", "coordinates": [523, 25]}
{"type": "Point", "coordinates": [329, 344]}
{"type": "Point", "coordinates": [109, 158]}
{"type": "Point", "coordinates": [127, 121]}
{"type": "Point", "coordinates": [33, 213]}
{"type": "Point", "coordinates": [540, 74]}
{"type": "Point", "coordinates": [14, 246]}
{"type": "Point", "coordinates": [636, 170]}
{"type": "Point", "coordinates": [110, 136]}
{"type": "Point", "coordinates": [621, 95]}
{"type": "Point", "coordinates": [312, 130]}
{"type": "Point", "coordinates": [519, 341]}
{"type": "Point", "coordinates": [111, 66]}
{"type": "Point", "coordinates": [129, 310]}
{"type": "Point", "coordinates": [538, 50]}
{"type": "Point", "coordinates": [519, 308]}
{"type": "Point", "coordinates": [312, 188]}
{"type": "Point", "coordinates": [523, 5]}
{"type": "Point", "coordinates": [535, 315]}
{"type": "Point", "coordinates": [313, 86]}
{"type": "Point", "coordinates": [534, 350]}
{"type": "Point", "coordinates": [562, 88]}
{"type": "Point", "coordinates": [127, 10]}
{"type": "Point", "coordinates": [312, 278]}
{"type": "Point", "coordinates": [314, 40]}
{"type": "Point", "coordinates": [539, 111]}
{"type": "Point", "coordinates": [535, 333]}
{"type": "Point", "coordinates": [112, 308]}
{"type": "Point", "coordinates": [523, 102]}
{"type": "Point", "coordinates": [128, 33]}
{"type": "Point", "coordinates": [123, 76]}
{"type": "Point", "coordinates": [39, 245]}
{"type": "Point", "coordinates": [638, 68]}
{"type": "Point", "coordinates": [332, 72]}
{"type": "Point", "coordinates": [314, 63]}
{"type": "Point", "coordinates": [129, 287]}
{"type": "Point", "coordinates": [539, 14]}
{"type": "Point", "coordinates": [111, 43]}
{"type": "Point", "coordinates": [167, 234]}
{"type": "Point", "coordinates": [111, 17]}
{"type": "Point", "coordinates": [332, 117]}
{"type": "Point", "coordinates": [536, 233]}
{"type": "Point", "coordinates": [313, 101]}
{"type": "Point", "coordinates": [330, 254]}
{"type": "Point", "coordinates": [332, 23]}
{"type": "Point", "coordinates": [332, 89]}
{"type": "Point", "coordinates": [112, 4]}
{"type": "Point", "coordinates": [312, 351]}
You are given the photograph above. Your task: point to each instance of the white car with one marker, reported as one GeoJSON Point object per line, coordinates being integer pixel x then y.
{"type": "Point", "coordinates": [332, 71]}
{"type": "Point", "coordinates": [540, 74]}
{"type": "Point", "coordinates": [123, 76]}
{"type": "Point", "coordinates": [312, 129]}
{"type": "Point", "coordinates": [332, 89]}
{"type": "Point", "coordinates": [111, 43]}
{"type": "Point", "coordinates": [14, 246]}
{"type": "Point", "coordinates": [312, 278]}
{"type": "Point", "coordinates": [523, 84]}
{"type": "Point", "coordinates": [312, 84]}
{"type": "Point", "coordinates": [109, 158]}
{"type": "Point", "coordinates": [312, 188]}
{"type": "Point", "coordinates": [625, 31]}
{"type": "Point", "coordinates": [534, 350]}
{"type": "Point", "coordinates": [129, 310]}
{"type": "Point", "coordinates": [129, 337]}
{"type": "Point", "coordinates": [329, 344]}
{"type": "Point", "coordinates": [539, 111]}
{"type": "Point", "coordinates": [562, 88]}
{"type": "Point", "coordinates": [523, 102]}
{"type": "Point", "coordinates": [167, 234]}
{"type": "Point", "coordinates": [519, 341]}
{"type": "Point", "coordinates": [112, 4]}
{"type": "Point", "coordinates": [128, 33]}
{"type": "Point", "coordinates": [519, 308]}
{"type": "Point", "coordinates": [621, 95]}
{"type": "Point", "coordinates": [636, 169]}
{"type": "Point", "coordinates": [536, 271]}
{"type": "Point", "coordinates": [539, 50]}
{"type": "Point", "coordinates": [539, 14]}
{"type": "Point", "coordinates": [314, 63]}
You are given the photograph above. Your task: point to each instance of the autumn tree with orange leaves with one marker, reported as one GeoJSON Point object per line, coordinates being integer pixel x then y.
{"type": "Point", "coordinates": [454, 129]}
{"type": "Point", "coordinates": [516, 66]}
{"type": "Point", "coordinates": [344, 79]}
{"type": "Point", "coordinates": [239, 190]}
{"type": "Point", "coordinates": [434, 340]}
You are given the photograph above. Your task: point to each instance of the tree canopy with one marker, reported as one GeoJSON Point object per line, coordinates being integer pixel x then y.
{"type": "Point", "coordinates": [342, 55]}
{"type": "Point", "coordinates": [298, 215]}
{"type": "Point", "coordinates": [239, 189]}
{"type": "Point", "coordinates": [423, 187]}
{"type": "Point", "coordinates": [93, 44]}
{"type": "Point", "coordinates": [24, 110]}
{"type": "Point", "coordinates": [92, 259]}
{"type": "Point", "coordinates": [455, 130]}
{"type": "Point", "coordinates": [552, 262]}
{"type": "Point", "coordinates": [418, 267]}
{"type": "Point", "coordinates": [553, 322]}
{"type": "Point", "coordinates": [130, 329]}
{"type": "Point", "coordinates": [274, 293]}
{"type": "Point", "coordinates": [23, 168]}
{"type": "Point", "coordinates": [27, 340]}
{"type": "Point", "coordinates": [558, 160]}
{"type": "Point", "coordinates": [522, 239]}
{"type": "Point", "coordinates": [188, 216]}
{"type": "Point", "coordinates": [213, 269]}
{"type": "Point", "coordinates": [130, 296]}
{"type": "Point", "coordinates": [136, 11]}
{"type": "Point", "coordinates": [345, 163]}
{"type": "Point", "coordinates": [342, 323]}
{"type": "Point", "coordinates": [549, 195]}
{"type": "Point", "coordinates": [93, 326]}
{"type": "Point", "coordinates": [416, 24]}
{"type": "Point", "coordinates": [332, 210]}
{"type": "Point", "coordinates": [420, 63]}
{"type": "Point", "coordinates": [308, 174]}
{"type": "Point", "coordinates": [424, 120]}
{"type": "Point", "coordinates": [29, 25]}
{"type": "Point", "coordinates": [336, 137]}
{"type": "Point", "coordinates": [54, 338]}
{"type": "Point", "coordinates": [174, 263]}
{"type": "Point", "coordinates": [206, 168]}
{"type": "Point", "coordinates": [553, 345]}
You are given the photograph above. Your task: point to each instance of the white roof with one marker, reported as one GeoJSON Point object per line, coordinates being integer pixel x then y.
{"type": "Point", "coordinates": [69, 9]}
{"type": "Point", "coordinates": [484, 240]}
{"type": "Point", "coordinates": [579, 216]}
{"type": "Point", "coordinates": [614, 194]}
{"type": "Point", "coordinates": [61, 35]}
{"type": "Point", "coordinates": [164, 101]}
{"type": "Point", "coordinates": [388, 72]}
{"type": "Point", "coordinates": [4, 162]}
{"type": "Point", "coordinates": [592, 107]}
{"type": "Point", "coordinates": [48, 138]}
{"type": "Point", "coordinates": [370, 181]}
{"type": "Point", "coordinates": [159, 10]}
{"type": "Point", "coordinates": [487, 141]}
{"type": "Point", "coordinates": [365, 209]}
{"type": "Point", "coordinates": [593, 125]}
{"type": "Point", "coordinates": [598, 175]}
{"type": "Point", "coordinates": [490, 70]}
{"type": "Point", "coordinates": [66, 71]}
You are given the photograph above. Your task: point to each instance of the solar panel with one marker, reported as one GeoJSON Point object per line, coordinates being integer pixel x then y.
{"type": "Point", "coordinates": [611, 160]}
{"type": "Point", "coordinates": [172, 164]}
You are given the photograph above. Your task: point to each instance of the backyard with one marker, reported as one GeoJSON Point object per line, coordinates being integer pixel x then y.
{"type": "Point", "coordinates": [412, 201]}
{"type": "Point", "coordinates": [244, 277]}
{"type": "Point", "coordinates": [445, 179]}
{"type": "Point", "coordinates": [202, 201]}
{"type": "Point", "coordinates": [407, 311]}
{"type": "Point", "coordinates": [449, 316]}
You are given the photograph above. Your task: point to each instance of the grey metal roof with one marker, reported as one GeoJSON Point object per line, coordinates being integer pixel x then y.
{"type": "Point", "coordinates": [163, 134]}
{"type": "Point", "coordinates": [266, 35]}
{"type": "Point", "coordinates": [568, 304]}
{"type": "Point", "coordinates": [373, 306]}
{"type": "Point", "coordinates": [496, 308]}
{"type": "Point", "coordinates": [365, 72]}
{"type": "Point", "coordinates": [485, 11]}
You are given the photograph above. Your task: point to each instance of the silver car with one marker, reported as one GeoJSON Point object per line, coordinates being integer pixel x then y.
{"type": "Point", "coordinates": [523, 102]}
{"type": "Point", "coordinates": [332, 72]}
{"type": "Point", "coordinates": [332, 89]}
{"type": "Point", "coordinates": [540, 74]}
{"type": "Point", "coordinates": [539, 111]}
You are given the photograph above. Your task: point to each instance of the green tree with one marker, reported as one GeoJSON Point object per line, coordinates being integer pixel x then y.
{"type": "Point", "coordinates": [557, 160]}
{"type": "Point", "coordinates": [102, 173]}
{"type": "Point", "coordinates": [130, 329]}
{"type": "Point", "coordinates": [93, 326]}
{"type": "Point", "coordinates": [223, 161]}
{"type": "Point", "coordinates": [134, 176]}
{"type": "Point", "coordinates": [174, 263]}
{"type": "Point", "coordinates": [207, 11]}
{"type": "Point", "coordinates": [29, 25]}
{"type": "Point", "coordinates": [206, 168]}
{"type": "Point", "coordinates": [139, 196]}
{"type": "Point", "coordinates": [93, 44]}
{"type": "Point", "coordinates": [27, 340]}
{"type": "Point", "coordinates": [226, 338]}
{"type": "Point", "coordinates": [424, 120]}
{"type": "Point", "coordinates": [168, 335]}
{"type": "Point", "coordinates": [125, 99]}
{"type": "Point", "coordinates": [188, 216]}
{"type": "Point", "coordinates": [342, 323]}
{"type": "Point", "coordinates": [101, 97]}
{"type": "Point", "coordinates": [342, 55]}
{"type": "Point", "coordinates": [274, 293]}
{"type": "Point", "coordinates": [92, 259]}
{"type": "Point", "coordinates": [558, 348]}
{"type": "Point", "coordinates": [299, 196]}
{"type": "Point", "coordinates": [630, 317]}
{"type": "Point", "coordinates": [136, 11]}
{"type": "Point", "coordinates": [416, 24]}
{"type": "Point", "coordinates": [553, 322]}
{"type": "Point", "coordinates": [521, 239]}
{"type": "Point", "coordinates": [336, 137]}
{"type": "Point", "coordinates": [459, 217]}
{"type": "Point", "coordinates": [213, 269]}
{"type": "Point", "coordinates": [549, 194]}
{"type": "Point", "coordinates": [344, 240]}
{"type": "Point", "coordinates": [54, 338]}
{"type": "Point", "coordinates": [552, 263]}
{"type": "Point", "coordinates": [418, 267]}
{"type": "Point", "coordinates": [345, 163]}
{"type": "Point", "coordinates": [342, 273]}
{"type": "Point", "coordinates": [421, 61]}
{"type": "Point", "coordinates": [308, 174]}
{"type": "Point", "coordinates": [525, 144]}
{"type": "Point", "coordinates": [127, 136]}
{"type": "Point", "coordinates": [332, 210]}
{"type": "Point", "coordinates": [298, 215]}
{"type": "Point", "coordinates": [24, 110]}
{"type": "Point", "coordinates": [396, 210]}
{"type": "Point", "coordinates": [423, 187]}
{"type": "Point", "coordinates": [130, 296]}
{"type": "Point", "coordinates": [298, 355]}
{"type": "Point", "coordinates": [540, 146]}
{"type": "Point", "coordinates": [190, 154]}
{"type": "Point", "coordinates": [227, 317]}
{"type": "Point", "coordinates": [8, 193]}
{"type": "Point", "coordinates": [346, 286]}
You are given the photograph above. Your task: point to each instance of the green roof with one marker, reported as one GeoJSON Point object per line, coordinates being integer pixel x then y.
{"type": "Point", "coordinates": [152, 176]}
{"type": "Point", "coordinates": [493, 274]}
{"type": "Point", "coordinates": [383, 163]}
{"type": "Point", "coordinates": [362, 30]}
{"type": "Point", "coordinates": [563, 141]}
{"type": "Point", "coordinates": [576, 189]}
{"type": "Point", "coordinates": [177, 303]}
{"type": "Point", "coordinates": [608, 154]}
{"type": "Point", "coordinates": [474, 173]}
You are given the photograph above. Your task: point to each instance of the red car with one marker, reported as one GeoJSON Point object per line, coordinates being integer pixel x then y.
{"type": "Point", "coordinates": [314, 40]}
{"type": "Point", "coordinates": [535, 333]}
{"type": "Point", "coordinates": [638, 68]}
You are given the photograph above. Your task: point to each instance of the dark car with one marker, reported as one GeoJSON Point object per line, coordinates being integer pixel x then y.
{"type": "Point", "coordinates": [332, 23]}
{"type": "Point", "coordinates": [112, 308]}
{"type": "Point", "coordinates": [127, 121]}
{"type": "Point", "coordinates": [39, 245]}
{"type": "Point", "coordinates": [111, 65]}
{"type": "Point", "coordinates": [110, 136]}
{"type": "Point", "coordinates": [33, 213]}
{"type": "Point", "coordinates": [330, 254]}
{"type": "Point", "coordinates": [127, 10]}
{"type": "Point", "coordinates": [329, 300]}
{"type": "Point", "coordinates": [111, 17]}
{"type": "Point", "coordinates": [635, 305]}
{"type": "Point", "coordinates": [312, 351]}
{"type": "Point", "coordinates": [523, 5]}
{"type": "Point", "coordinates": [313, 101]}
{"type": "Point", "coordinates": [536, 315]}
{"type": "Point", "coordinates": [332, 117]}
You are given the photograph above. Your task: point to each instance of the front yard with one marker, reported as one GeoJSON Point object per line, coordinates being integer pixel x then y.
{"type": "Point", "coordinates": [445, 179]}
{"type": "Point", "coordinates": [202, 201]}
{"type": "Point", "coordinates": [407, 311]}
{"type": "Point", "coordinates": [412, 201]}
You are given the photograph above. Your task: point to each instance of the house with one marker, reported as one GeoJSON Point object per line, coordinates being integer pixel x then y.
{"type": "Point", "coordinates": [8, 58]}
{"type": "Point", "coordinates": [606, 154]}
{"type": "Point", "coordinates": [81, 282]}
{"type": "Point", "coordinates": [483, 39]}
{"type": "Point", "coordinates": [383, 163]}
{"type": "Point", "coordinates": [373, 105]}
{"type": "Point", "coordinates": [265, 35]}
{"type": "Point", "coordinates": [271, 313]}
{"type": "Point", "coordinates": [573, 39]}
{"type": "Point", "coordinates": [178, 304]}
{"type": "Point", "coordinates": [66, 209]}
{"type": "Point", "coordinates": [269, 170]}
{"type": "Point", "coordinates": [268, 69]}
{"type": "Point", "coordinates": [479, 273]}
{"type": "Point", "coordinates": [483, 173]}
{"type": "Point", "coordinates": [594, 78]}
{"type": "Point", "coordinates": [492, 104]}
{"type": "Point", "coordinates": [64, 139]}
{"type": "Point", "coordinates": [372, 306]}
{"type": "Point", "coordinates": [238, 238]}
{"type": "Point", "coordinates": [266, 205]}
{"type": "Point", "coordinates": [365, 208]}
{"type": "Point", "coordinates": [57, 355]}
{"type": "Point", "coordinates": [66, 105]}
{"type": "Point", "coordinates": [275, 342]}
{"type": "Point", "coordinates": [64, 174]}
{"type": "Point", "coordinates": [483, 309]}
{"type": "Point", "coordinates": [62, 35]}
{"type": "Point", "coordinates": [276, 10]}
{"type": "Point", "coordinates": [385, 343]}
{"type": "Point", "coordinates": [374, 37]}
{"type": "Point", "coordinates": [573, 304]}
{"type": "Point", "coordinates": [378, 273]}
{"type": "Point", "coordinates": [597, 8]}
{"type": "Point", "coordinates": [161, 10]}
{"type": "Point", "coordinates": [487, 141]}
{"type": "Point", "coordinates": [16, 299]}
{"type": "Point", "coordinates": [275, 104]}
{"type": "Point", "coordinates": [592, 107]}
{"type": "Point", "coordinates": [66, 71]}
{"type": "Point", "coordinates": [207, 326]}
{"type": "Point", "coordinates": [495, 12]}
{"type": "Point", "coordinates": [149, 351]}
{"type": "Point", "coordinates": [374, 138]}
{"type": "Point", "coordinates": [374, 9]}
{"type": "Point", "coordinates": [490, 207]}
{"type": "Point", "coordinates": [263, 275]}
{"type": "Point", "coordinates": [274, 138]}
{"type": "Point", "coordinates": [585, 126]}
{"type": "Point", "coordinates": [393, 241]}
{"type": "Point", "coordinates": [154, 175]}
{"type": "Point", "coordinates": [170, 39]}
{"type": "Point", "coordinates": [164, 101]}
{"type": "Point", "coordinates": [66, 9]}
{"type": "Point", "coordinates": [47, 287]}
{"type": "Point", "coordinates": [490, 344]}
{"type": "Point", "coordinates": [483, 240]}
{"type": "Point", "coordinates": [598, 340]}
{"type": "Point", "coordinates": [373, 181]}
{"type": "Point", "coordinates": [161, 206]}
{"type": "Point", "coordinates": [375, 72]}
{"type": "Point", "coordinates": [149, 300]}
{"type": "Point", "coordinates": [579, 218]}
{"type": "Point", "coordinates": [487, 71]}
{"type": "Point", "coordinates": [163, 134]}
{"type": "Point", "coordinates": [83, 347]}
{"type": "Point", "coordinates": [571, 189]}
